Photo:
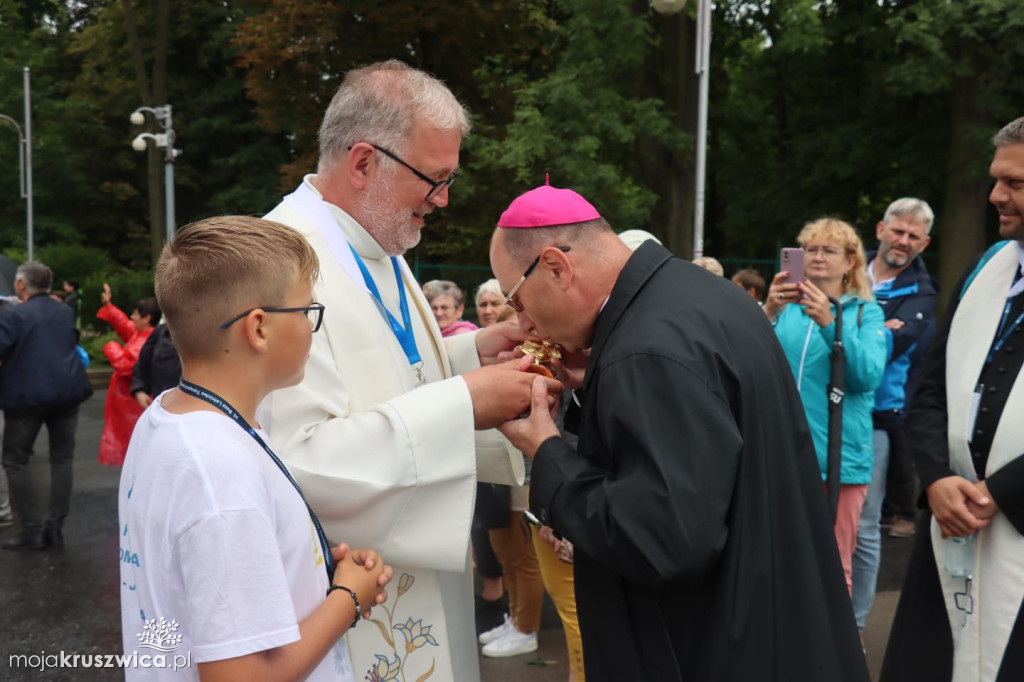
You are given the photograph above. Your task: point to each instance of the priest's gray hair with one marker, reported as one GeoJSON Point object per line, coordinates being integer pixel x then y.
{"type": "Point", "coordinates": [523, 245]}
{"type": "Point", "coordinates": [380, 104]}
{"type": "Point", "coordinates": [37, 277]}
{"type": "Point", "coordinates": [1011, 133]}
{"type": "Point", "coordinates": [913, 207]}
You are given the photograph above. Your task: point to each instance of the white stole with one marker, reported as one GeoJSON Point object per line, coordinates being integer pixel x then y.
{"type": "Point", "coordinates": [980, 638]}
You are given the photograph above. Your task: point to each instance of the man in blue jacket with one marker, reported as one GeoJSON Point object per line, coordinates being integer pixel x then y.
{"type": "Point", "coordinates": [42, 381]}
{"type": "Point", "coordinates": [907, 294]}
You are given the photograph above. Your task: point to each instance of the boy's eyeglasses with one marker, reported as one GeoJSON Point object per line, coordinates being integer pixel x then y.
{"type": "Point", "coordinates": [435, 185]}
{"type": "Point", "coordinates": [317, 308]}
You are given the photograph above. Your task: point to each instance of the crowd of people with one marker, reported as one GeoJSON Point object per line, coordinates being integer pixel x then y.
{"type": "Point", "coordinates": [695, 469]}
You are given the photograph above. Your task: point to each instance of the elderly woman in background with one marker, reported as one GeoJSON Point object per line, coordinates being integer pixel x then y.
{"type": "Point", "coordinates": [804, 321]}
{"type": "Point", "coordinates": [448, 303]}
{"type": "Point", "coordinates": [490, 304]}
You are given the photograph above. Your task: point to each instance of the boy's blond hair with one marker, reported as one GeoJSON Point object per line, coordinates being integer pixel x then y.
{"type": "Point", "coordinates": [216, 268]}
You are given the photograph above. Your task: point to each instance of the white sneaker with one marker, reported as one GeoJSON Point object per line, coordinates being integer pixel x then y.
{"type": "Point", "coordinates": [512, 643]}
{"type": "Point", "coordinates": [496, 632]}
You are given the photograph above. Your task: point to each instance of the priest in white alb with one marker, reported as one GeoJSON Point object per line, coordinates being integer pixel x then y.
{"type": "Point", "coordinates": [961, 611]}
{"type": "Point", "coordinates": [390, 430]}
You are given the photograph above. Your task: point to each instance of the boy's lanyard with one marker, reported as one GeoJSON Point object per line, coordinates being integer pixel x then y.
{"type": "Point", "coordinates": [225, 407]}
{"type": "Point", "coordinates": [403, 330]}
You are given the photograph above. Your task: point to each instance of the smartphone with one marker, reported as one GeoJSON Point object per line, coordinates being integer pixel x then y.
{"type": "Point", "coordinates": [792, 261]}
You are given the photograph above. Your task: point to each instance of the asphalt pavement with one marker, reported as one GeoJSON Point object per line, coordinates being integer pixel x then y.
{"type": "Point", "coordinates": [66, 601]}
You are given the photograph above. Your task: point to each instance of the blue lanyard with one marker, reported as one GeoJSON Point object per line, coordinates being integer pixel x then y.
{"type": "Point", "coordinates": [1005, 335]}
{"type": "Point", "coordinates": [225, 407]}
{"type": "Point", "coordinates": [1000, 334]}
{"type": "Point", "coordinates": [403, 331]}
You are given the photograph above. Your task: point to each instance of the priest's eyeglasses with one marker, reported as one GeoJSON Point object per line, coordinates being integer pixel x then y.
{"type": "Point", "coordinates": [435, 185]}
{"type": "Point", "coordinates": [314, 313]}
{"type": "Point", "coordinates": [511, 301]}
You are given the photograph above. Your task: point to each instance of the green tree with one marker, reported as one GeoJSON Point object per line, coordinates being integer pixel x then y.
{"type": "Point", "coordinates": [229, 164]}
{"type": "Point", "coordinates": [296, 54]}
{"type": "Point", "coordinates": [36, 34]}
{"type": "Point", "coordinates": [584, 121]}
{"type": "Point", "coordinates": [964, 57]}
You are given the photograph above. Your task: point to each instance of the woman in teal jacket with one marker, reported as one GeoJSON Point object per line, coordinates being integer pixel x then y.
{"type": "Point", "coordinates": [804, 321]}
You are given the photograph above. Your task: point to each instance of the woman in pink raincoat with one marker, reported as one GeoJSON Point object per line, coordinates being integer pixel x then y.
{"type": "Point", "coordinates": [122, 410]}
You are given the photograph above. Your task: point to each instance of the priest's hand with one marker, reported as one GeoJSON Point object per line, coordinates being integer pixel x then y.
{"type": "Point", "coordinates": [527, 434]}
{"type": "Point", "coordinates": [502, 392]}
{"type": "Point", "coordinates": [983, 511]}
{"type": "Point", "coordinates": [947, 499]}
{"type": "Point", "coordinates": [498, 338]}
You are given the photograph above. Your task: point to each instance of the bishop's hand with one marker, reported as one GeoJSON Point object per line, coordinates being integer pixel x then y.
{"type": "Point", "coordinates": [528, 433]}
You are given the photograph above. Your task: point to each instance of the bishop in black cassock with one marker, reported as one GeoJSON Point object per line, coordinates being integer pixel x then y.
{"type": "Point", "coordinates": [703, 542]}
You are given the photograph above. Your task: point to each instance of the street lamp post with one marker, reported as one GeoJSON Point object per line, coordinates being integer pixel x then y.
{"type": "Point", "coordinates": [165, 141]}
{"type": "Point", "coordinates": [702, 62]}
{"type": "Point", "coordinates": [25, 164]}
{"type": "Point", "coordinates": [703, 69]}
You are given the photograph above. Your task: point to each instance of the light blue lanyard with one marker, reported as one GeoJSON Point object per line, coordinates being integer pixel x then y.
{"type": "Point", "coordinates": [1000, 334]}
{"type": "Point", "coordinates": [225, 407]}
{"type": "Point", "coordinates": [402, 330]}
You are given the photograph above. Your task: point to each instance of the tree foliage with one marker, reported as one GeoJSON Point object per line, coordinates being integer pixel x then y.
{"type": "Point", "coordinates": [840, 107]}
{"type": "Point", "coordinates": [832, 107]}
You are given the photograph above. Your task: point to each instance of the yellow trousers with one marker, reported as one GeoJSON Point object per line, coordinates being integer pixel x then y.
{"type": "Point", "coordinates": [560, 584]}
{"type": "Point", "coordinates": [520, 572]}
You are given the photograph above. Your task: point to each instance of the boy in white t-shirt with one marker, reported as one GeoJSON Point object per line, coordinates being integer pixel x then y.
{"type": "Point", "coordinates": [224, 569]}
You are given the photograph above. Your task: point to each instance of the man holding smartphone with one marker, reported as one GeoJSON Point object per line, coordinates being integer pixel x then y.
{"type": "Point", "coordinates": [907, 295]}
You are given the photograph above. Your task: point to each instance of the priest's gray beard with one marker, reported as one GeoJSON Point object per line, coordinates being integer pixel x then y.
{"type": "Point", "coordinates": [389, 224]}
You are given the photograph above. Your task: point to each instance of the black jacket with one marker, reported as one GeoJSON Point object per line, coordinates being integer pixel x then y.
{"type": "Point", "coordinates": [911, 299]}
{"type": "Point", "coordinates": [158, 367]}
{"type": "Point", "coordinates": [37, 348]}
{"type": "Point", "coordinates": [703, 544]}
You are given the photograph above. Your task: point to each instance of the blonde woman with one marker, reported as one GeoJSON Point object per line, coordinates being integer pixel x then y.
{"type": "Point", "coordinates": [804, 321]}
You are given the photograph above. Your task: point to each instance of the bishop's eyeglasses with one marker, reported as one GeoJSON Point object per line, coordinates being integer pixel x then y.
{"type": "Point", "coordinates": [513, 302]}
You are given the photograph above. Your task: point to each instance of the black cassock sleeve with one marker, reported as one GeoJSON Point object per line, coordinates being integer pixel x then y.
{"type": "Point", "coordinates": [927, 421]}
{"type": "Point", "coordinates": [651, 502]}
{"type": "Point", "coordinates": [1007, 489]}
{"type": "Point", "coordinates": [142, 373]}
